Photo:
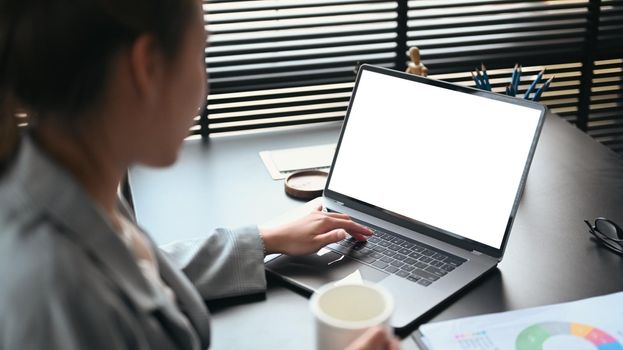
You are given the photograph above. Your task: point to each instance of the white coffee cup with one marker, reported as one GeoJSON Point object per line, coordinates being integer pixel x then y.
{"type": "Point", "coordinates": [343, 312]}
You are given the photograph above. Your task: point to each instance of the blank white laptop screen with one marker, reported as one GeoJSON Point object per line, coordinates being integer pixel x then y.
{"type": "Point", "coordinates": [448, 159]}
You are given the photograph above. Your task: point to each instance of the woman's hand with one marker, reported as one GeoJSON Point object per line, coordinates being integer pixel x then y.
{"type": "Point", "coordinates": [312, 232]}
{"type": "Point", "coordinates": [375, 338]}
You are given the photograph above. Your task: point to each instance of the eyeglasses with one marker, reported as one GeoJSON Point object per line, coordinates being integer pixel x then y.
{"type": "Point", "coordinates": [607, 233]}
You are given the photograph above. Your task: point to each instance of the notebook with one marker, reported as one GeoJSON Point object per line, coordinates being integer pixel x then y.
{"type": "Point", "coordinates": [437, 170]}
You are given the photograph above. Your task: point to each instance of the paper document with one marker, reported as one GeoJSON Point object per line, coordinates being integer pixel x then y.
{"type": "Point", "coordinates": [280, 163]}
{"type": "Point", "coordinates": [591, 324]}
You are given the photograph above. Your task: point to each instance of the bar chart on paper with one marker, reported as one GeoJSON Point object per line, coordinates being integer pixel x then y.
{"type": "Point", "coordinates": [589, 324]}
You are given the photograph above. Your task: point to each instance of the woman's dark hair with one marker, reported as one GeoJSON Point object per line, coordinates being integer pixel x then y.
{"type": "Point", "coordinates": [55, 55]}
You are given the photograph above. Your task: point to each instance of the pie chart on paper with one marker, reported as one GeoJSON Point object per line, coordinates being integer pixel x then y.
{"type": "Point", "coordinates": [535, 336]}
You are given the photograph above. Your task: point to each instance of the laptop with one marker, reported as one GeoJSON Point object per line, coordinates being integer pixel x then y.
{"type": "Point", "coordinates": [437, 170]}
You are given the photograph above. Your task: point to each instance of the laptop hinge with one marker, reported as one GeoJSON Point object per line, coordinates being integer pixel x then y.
{"type": "Point", "coordinates": [475, 252]}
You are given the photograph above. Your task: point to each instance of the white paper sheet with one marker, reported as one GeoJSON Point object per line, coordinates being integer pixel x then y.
{"type": "Point", "coordinates": [591, 324]}
{"type": "Point", "coordinates": [280, 163]}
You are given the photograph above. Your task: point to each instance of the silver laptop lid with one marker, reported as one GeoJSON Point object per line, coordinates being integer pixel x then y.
{"type": "Point", "coordinates": [442, 159]}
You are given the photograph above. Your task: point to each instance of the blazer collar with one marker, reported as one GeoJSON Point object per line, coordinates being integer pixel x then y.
{"type": "Point", "coordinates": [189, 300]}
{"type": "Point", "coordinates": [53, 190]}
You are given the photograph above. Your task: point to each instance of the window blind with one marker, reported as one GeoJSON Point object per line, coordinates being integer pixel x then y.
{"type": "Point", "coordinates": [275, 63]}
{"type": "Point", "coordinates": [605, 119]}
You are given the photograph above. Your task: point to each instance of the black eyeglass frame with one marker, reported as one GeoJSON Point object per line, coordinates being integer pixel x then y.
{"type": "Point", "coordinates": [613, 243]}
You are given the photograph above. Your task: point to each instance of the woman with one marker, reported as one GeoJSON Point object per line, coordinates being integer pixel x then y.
{"type": "Point", "coordinates": [108, 84]}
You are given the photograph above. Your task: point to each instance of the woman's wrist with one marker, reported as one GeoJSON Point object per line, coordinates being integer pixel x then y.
{"type": "Point", "coordinates": [263, 242]}
{"type": "Point", "coordinates": [269, 237]}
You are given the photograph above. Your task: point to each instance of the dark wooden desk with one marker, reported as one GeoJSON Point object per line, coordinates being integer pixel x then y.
{"type": "Point", "coordinates": [549, 258]}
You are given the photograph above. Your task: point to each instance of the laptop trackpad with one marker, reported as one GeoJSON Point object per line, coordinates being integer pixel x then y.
{"type": "Point", "coordinates": [313, 271]}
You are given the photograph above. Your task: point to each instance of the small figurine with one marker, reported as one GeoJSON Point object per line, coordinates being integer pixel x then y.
{"type": "Point", "coordinates": [416, 66]}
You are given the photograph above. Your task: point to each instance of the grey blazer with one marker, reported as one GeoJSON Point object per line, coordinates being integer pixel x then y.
{"type": "Point", "coordinates": [67, 281]}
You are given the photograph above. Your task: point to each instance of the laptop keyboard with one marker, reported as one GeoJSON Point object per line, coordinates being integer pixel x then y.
{"type": "Point", "coordinates": [412, 260]}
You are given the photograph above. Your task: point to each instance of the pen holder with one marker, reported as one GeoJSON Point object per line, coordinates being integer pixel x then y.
{"type": "Point", "coordinates": [481, 78]}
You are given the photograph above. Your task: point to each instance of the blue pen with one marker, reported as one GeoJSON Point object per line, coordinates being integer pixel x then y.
{"type": "Point", "coordinates": [485, 76]}
{"type": "Point", "coordinates": [533, 85]}
{"type": "Point", "coordinates": [513, 77]}
{"type": "Point", "coordinates": [517, 79]}
{"type": "Point", "coordinates": [481, 79]}
{"type": "Point", "coordinates": [476, 80]}
{"type": "Point", "coordinates": [541, 90]}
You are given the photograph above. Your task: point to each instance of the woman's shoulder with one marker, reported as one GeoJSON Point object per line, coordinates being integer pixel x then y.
{"type": "Point", "coordinates": [53, 291]}
{"type": "Point", "coordinates": [38, 262]}
{"type": "Point", "coordinates": [38, 248]}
